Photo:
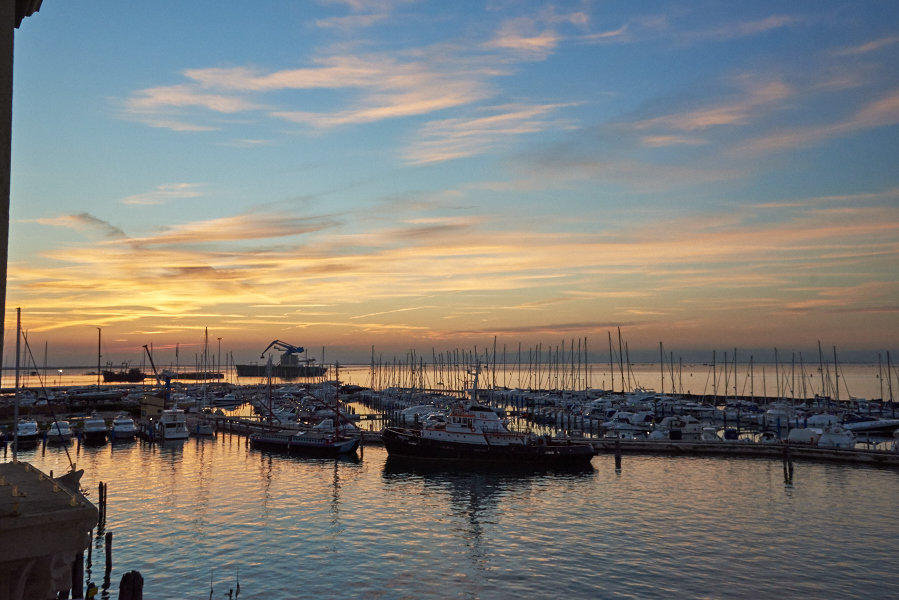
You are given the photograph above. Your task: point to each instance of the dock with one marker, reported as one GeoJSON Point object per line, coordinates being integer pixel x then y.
{"type": "Point", "coordinates": [778, 451]}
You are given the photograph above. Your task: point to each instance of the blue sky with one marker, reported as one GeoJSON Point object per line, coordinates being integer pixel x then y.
{"type": "Point", "coordinates": [436, 174]}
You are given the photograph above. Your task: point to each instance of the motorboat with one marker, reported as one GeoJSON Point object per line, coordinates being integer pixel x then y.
{"type": "Point", "coordinates": [172, 425]}
{"type": "Point", "coordinates": [123, 428]}
{"type": "Point", "coordinates": [27, 432]}
{"type": "Point", "coordinates": [60, 432]}
{"type": "Point", "coordinates": [93, 430]}
{"type": "Point", "coordinates": [836, 436]}
{"type": "Point", "coordinates": [677, 427]}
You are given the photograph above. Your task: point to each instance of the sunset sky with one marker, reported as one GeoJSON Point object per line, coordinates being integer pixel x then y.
{"type": "Point", "coordinates": [402, 174]}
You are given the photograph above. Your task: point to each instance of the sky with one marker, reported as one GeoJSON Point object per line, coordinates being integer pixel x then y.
{"type": "Point", "coordinates": [346, 175]}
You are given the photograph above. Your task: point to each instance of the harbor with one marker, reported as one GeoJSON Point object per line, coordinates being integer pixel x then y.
{"type": "Point", "coordinates": [204, 515]}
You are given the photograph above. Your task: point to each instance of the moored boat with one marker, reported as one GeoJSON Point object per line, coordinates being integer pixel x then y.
{"type": "Point", "coordinates": [304, 442]}
{"type": "Point", "coordinates": [172, 425]}
{"type": "Point", "coordinates": [122, 429]}
{"type": "Point", "coordinates": [474, 433]}
{"type": "Point", "coordinates": [60, 432]}
{"type": "Point", "coordinates": [27, 432]}
{"type": "Point", "coordinates": [93, 430]}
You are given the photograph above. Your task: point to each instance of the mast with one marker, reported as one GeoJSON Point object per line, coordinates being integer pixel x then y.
{"type": "Point", "coordinates": [611, 364]}
{"type": "Point", "coordinates": [15, 423]}
{"type": "Point", "coordinates": [836, 375]}
{"type": "Point", "coordinates": [99, 346]}
{"type": "Point", "coordinates": [662, 366]}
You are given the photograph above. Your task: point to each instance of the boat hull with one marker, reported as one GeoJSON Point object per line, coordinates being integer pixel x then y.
{"type": "Point", "coordinates": [295, 444]}
{"type": "Point", "coordinates": [281, 371]}
{"type": "Point", "coordinates": [409, 445]}
{"type": "Point", "coordinates": [93, 438]}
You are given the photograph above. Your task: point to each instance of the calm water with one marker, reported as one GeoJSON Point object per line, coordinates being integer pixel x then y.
{"type": "Point", "coordinates": [659, 528]}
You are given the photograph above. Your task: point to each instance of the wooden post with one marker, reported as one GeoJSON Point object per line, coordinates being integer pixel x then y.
{"type": "Point", "coordinates": [108, 554]}
{"type": "Point", "coordinates": [131, 586]}
{"type": "Point", "coordinates": [78, 576]}
{"type": "Point", "coordinates": [617, 455]}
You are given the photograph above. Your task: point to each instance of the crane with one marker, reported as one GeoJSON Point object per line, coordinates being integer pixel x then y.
{"type": "Point", "coordinates": [160, 378]}
{"type": "Point", "coordinates": [287, 348]}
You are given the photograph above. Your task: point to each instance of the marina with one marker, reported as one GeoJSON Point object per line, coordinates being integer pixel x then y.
{"type": "Point", "coordinates": [205, 513]}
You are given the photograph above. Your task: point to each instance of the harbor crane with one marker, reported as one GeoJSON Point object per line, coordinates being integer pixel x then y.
{"type": "Point", "coordinates": [283, 346]}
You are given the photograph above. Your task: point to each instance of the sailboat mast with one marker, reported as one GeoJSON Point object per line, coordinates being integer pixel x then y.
{"type": "Point", "coordinates": [99, 350]}
{"type": "Point", "coordinates": [15, 423]}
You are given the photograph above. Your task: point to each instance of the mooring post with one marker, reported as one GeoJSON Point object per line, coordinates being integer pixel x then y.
{"type": "Point", "coordinates": [788, 465]}
{"type": "Point", "coordinates": [78, 576]}
{"type": "Point", "coordinates": [617, 455]}
{"type": "Point", "coordinates": [131, 586]}
{"type": "Point", "coordinates": [108, 554]}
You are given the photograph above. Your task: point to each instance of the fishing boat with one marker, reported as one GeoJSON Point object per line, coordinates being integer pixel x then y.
{"type": "Point", "coordinates": [93, 430]}
{"type": "Point", "coordinates": [474, 433]}
{"type": "Point", "coordinates": [60, 432]}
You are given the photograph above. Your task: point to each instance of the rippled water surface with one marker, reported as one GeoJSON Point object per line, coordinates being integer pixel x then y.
{"type": "Point", "coordinates": [662, 527]}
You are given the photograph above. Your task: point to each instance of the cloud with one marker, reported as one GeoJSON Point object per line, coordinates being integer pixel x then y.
{"type": "Point", "coordinates": [882, 112]}
{"type": "Point", "coordinates": [252, 226]}
{"type": "Point", "coordinates": [82, 222]}
{"type": "Point", "coordinates": [462, 137]}
{"type": "Point", "coordinates": [163, 193]}
{"type": "Point", "coordinates": [868, 47]}
{"type": "Point", "coordinates": [741, 29]}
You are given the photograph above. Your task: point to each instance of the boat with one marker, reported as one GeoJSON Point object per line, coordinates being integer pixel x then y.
{"type": "Point", "coordinates": [172, 425]}
{"type": "Point", "coordinates": [474, 433]}
{"type": "Point", "coordinates": [319, 443]}
{"type": "Point", "coordinates": [835, 436]}
{"type": "Point", "coordinates": [93, 430]}
{"type": "Point", "coordinates": [122, 429]}
{"type": "Point", "coordinates": [60, 432]}
{"type": "Point", "coordinates": [291, 365]}
{"type": "Point", "coordinates": [868, 424]}
{"type": "Point", "coordinates": [26, 432]}
{"type": "Point", "coordinates": [123, 375]}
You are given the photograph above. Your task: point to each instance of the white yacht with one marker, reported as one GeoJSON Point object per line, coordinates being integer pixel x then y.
{"type": "Point", "coordinates": [93, 430]}
{"type": "Point", "coordinates": [60, 432]}
{"type": "Point", "coordinates": [123, 428]}
{"type": "Point", "coordinates": [27, 431]}
{"type": "Point", "coordinates": [172, 425]}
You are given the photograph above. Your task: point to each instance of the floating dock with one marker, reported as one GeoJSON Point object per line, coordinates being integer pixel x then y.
{"type": "Point", "coordinates": [746, 449]}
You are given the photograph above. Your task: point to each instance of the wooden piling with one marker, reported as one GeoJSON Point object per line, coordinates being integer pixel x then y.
{"type": "Point", "coordinates": [617, 455]}
{"type": "Point", "coordinates": [108, 553]}
{"type": "Point", "coordinates": [788, 465]}
{"type": "Point", "coordinates": [78, 576]}
{"type": "Point", "coordinates": [131, 586]}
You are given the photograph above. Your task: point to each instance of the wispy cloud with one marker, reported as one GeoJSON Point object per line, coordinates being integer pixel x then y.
{"type": "Point", "coordinates": [164, 193]}
{"type": "Point", "coordinates": [868, 47]}
{"type": "Point", "coordinates": [882, 112]}
{"type": "Point", "coordinates": [457, 138]}
{"type": "Point", "coordinates": [82, 222]}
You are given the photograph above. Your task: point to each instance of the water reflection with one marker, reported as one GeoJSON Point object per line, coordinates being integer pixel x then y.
{"type": "Point", "coordinates": [477, 496]}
